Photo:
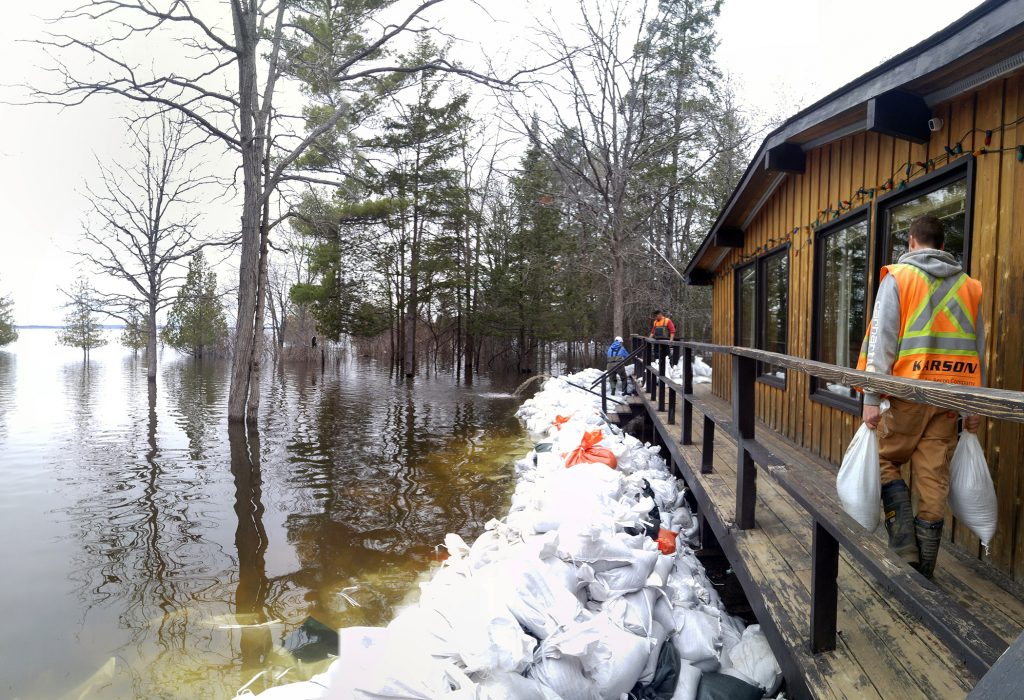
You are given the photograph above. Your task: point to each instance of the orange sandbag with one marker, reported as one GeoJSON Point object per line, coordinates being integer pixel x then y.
{"type": "Point", "coordinates": [589, 453]}
{"type": "Point", "coordinates": [560, 421]}
{"type": "Point", "coordinates": [667, 541]}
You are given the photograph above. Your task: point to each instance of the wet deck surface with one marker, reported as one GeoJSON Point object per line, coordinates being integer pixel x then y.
{"type": "Point", "coordinates": [882, 651]}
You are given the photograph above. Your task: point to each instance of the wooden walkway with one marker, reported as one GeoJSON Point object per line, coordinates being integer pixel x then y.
{"type": "Point", "coordinates": [882, 650]}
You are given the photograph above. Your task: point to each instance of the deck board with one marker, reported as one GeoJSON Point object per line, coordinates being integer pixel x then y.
{"type": "Point", "coordinates": [881, 649]}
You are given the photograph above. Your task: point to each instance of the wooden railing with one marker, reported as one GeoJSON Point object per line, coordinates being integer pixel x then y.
{"type": "Point", "coordinates": [978, 646]}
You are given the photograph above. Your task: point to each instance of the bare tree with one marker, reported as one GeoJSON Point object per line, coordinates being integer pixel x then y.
{"type": "Point", "coordinates": [142, 223]}
{"type": "Point", "coordinates": [337, 48]}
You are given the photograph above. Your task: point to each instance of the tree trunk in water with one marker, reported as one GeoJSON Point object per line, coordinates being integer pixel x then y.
{"type": "Point", "coordinates": [248, 267]}
{"type": "Point", "coordinates": [151, 342]}
{"type": "Point", "coordinates": [253, 406]}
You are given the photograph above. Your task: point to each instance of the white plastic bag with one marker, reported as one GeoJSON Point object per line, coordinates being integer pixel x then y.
{"type": "Point", "coordinates": [971, 493]}
{"type": "Point", "coordinates": [859, 482]}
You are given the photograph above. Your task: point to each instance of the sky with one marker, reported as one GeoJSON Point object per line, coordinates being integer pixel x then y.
{"type": "Point", "coordinates": [782, 55]}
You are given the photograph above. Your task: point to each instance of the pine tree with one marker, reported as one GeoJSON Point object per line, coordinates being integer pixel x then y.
{"type": "Point", "coordinates": [136, 330]}
{"type": "Point", "coordinates": [8, 333]}
{"type": "Point", "coordinates": [196, 322]}
{"type": "Point", "coordinates": [81, 328]}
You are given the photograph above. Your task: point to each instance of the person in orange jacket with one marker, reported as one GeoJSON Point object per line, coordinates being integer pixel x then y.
{"type": "Point", "coordinates": [926, 324]}
{"type": "Point", "coordinates": [662, 328]}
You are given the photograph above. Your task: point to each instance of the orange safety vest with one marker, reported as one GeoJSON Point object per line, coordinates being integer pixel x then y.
{"type": "Point", "coordinates": [938, 327]}
{"type": "Point", "coordinates": [661, 329]}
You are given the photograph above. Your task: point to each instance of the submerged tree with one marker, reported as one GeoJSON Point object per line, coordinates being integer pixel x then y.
{"type": "Point", "coordinates": [227, 83]}
{"type": "Point", "coordinates": [196, 322]}
{"type": "Point", "coordinates": [142, 226]}
{"type": "Point", "coordinates": [136, 330]}
{"type": "Point", "coordinates": [8, 333]}
{"type": "Point", "coordinates": [81, 327]}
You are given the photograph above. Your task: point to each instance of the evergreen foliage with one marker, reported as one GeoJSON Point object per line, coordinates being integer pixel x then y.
{"type": "Point", "coordinates": [81, 327]}
{"type": "Point", "coordinates": [8, 333]}
{"type": "Point", "coordinates": [196, 323]}
{"type": "Point", "coordinates": [136, 330]}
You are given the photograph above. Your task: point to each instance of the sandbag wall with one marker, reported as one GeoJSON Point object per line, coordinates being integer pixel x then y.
{"type": "Point", "coordinates": [585, 590]}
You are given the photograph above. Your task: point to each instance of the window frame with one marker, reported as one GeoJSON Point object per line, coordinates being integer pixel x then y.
{"type": "Point", "coordinates": [962, 168]}
{"type": "Point", "coordinates": [760, 285]}
{"type": "Point", "coordinates": [816, 392]}
{"type": "Point", "coordinates": [760, 304]}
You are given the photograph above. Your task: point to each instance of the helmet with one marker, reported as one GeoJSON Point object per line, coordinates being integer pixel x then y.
{"type": "Point", "coordinates": [618, 339]}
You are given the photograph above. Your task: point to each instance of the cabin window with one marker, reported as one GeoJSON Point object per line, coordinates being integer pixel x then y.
{"type": "Point", "coordinates": [746, 295]}
{"type": "Point", "coordinates": [773, 324]}
{"type": "Point", "coordinates": [841, 267]}
{"type": "Point", "coordinates": [945, 194]}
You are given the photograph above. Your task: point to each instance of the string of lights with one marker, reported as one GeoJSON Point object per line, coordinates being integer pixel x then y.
{"type": "Point", "coordinates": [802, 237]}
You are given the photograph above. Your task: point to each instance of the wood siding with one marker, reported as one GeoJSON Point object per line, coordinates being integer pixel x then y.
{"type": "Point", "coordinates": [835, 172]}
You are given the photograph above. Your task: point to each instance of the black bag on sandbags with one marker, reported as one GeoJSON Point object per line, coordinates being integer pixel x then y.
{"type": "Point", "coordinates": [718, 686]}
{"type": "Point", "coordinates": [666, 677]}
{"type": "Point", "coordinates": [653, 526]}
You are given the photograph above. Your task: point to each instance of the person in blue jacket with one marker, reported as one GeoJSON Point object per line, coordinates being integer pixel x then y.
{"type": "Point", "coordinates": [616, 353]}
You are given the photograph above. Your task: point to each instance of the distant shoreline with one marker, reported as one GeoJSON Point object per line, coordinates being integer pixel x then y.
{"type": "Point", "coordinates": [104, 326]}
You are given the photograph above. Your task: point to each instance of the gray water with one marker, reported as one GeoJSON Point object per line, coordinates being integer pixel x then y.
{"type": "Point", "coordinates": [147, 551]}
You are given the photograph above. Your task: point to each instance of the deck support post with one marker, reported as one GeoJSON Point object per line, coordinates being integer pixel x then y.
{"type": "Point", "coordinates": [687, 438]}
{"type": "Point", "coordinates": [824, 589]}
{"type": "Point", "coordinates": [650, 386]}
{"type": "Point", "coordinates": [707, 447]}
{"type": "Point", "coordinates": [744, 373]}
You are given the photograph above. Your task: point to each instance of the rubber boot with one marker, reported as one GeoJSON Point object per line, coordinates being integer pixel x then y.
{"type": "Point", "coordinates": [929, 535]}
{"type": "Point", "coordinates": [899, 521]}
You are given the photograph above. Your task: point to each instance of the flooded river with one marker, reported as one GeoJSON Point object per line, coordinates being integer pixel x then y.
{"type": "Point", "coordinates": [147, 551]}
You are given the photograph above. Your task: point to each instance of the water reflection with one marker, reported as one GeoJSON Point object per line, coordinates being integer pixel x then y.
{"type": "Point", "coordinates": [186, 552]}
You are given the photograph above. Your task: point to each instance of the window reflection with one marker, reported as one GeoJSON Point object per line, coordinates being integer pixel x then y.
{"type": "Point", "coordinates": [747, 295]}
{"type": "Point", "coordinates": [775, 317]}
{"type": "Point", "coordinates": [948, 203]}
{"type": "Point", "coordinates": [842, 307]}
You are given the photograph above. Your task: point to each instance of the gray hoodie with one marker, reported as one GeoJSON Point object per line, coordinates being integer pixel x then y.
{"type": "Point", "coordinates": [883, 345]}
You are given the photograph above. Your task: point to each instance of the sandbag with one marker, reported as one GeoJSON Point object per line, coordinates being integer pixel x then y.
{"type": "Point", "coordinates": [698, 635]}
{"type": "Point", "coordinates": [564, 675]}
{"type": "Point", "coordinates": [503, 685]}
{"type": "Point", "coordinates": [662, 685]}
{"type": "Point", "coordinates": [718, 686]}
{"type": "Point", "coordinates": [689, 682]}
{"type": "Point", "coordinates": [589, 453]}
{"type": "Point", "coordinates": [859, 482]}
{"type": "Point", "coordinates": [611, 656]}
{"type": "Point", "coordinates": [753, 657]}
{"type": "Point", "coordinates": [972, 497]}
{"type": "Point", "coordinates": [534, 596]}
{"type": "Point", "coordinates": [667, 541]}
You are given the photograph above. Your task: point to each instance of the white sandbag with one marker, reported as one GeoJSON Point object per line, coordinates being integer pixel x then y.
{"type": "Point", "coordinates": [972, 497]}
{"type": "Point", "coordinates": [701, 368]}
{"type": "Point", "coordinates": [537, 599]}
{"type": "Point", "coordinates": [689, 682]}
{"type": "Point", "coordinates": [303, 690]}
{"type": "Point", "coordinates": [374, 665]}
{"type": "Point", "coordinates": [502, 685]}
{"type": "Point", "coordinates": [624, 579]}
{"type": "Point", "coordinates": [658, 636]}
{"type": "Point", "coordinates": [611, 656]}
{"type": "Point", "coordinates": [859, 481]}
{"type": "Point", "coordinates": [564, 675]}
{"type": "Point", "coordinates": [697, 638]}
{"type": "Point", "coordinates": [753, 657]}
{"type": "Point", "coordinates": [634, 612]}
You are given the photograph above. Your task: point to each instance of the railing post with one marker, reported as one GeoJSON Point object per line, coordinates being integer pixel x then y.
{"type": "Point", "coordinates": [687, 391]}
{"type": "Point", "coordinates": [673, 361]}
{"type": "Point", "coordinates": [744, 372]}
{"type": "Point", "coordinates": [824, 590]}
{"type": "Point", "coordinates": [604, 394]}
{"type": "Point", "coordinates": [707, 447]}
{"type": "Point", "coordinates": [648, 359]}
{"type": "Point", "coordinates": [661, 377]}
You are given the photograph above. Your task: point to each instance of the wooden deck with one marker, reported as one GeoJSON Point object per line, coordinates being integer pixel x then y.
{"type": "Point", "coordinates": [883, 651]}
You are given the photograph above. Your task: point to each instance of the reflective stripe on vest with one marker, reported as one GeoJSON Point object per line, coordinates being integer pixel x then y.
{"type": "Point", "coordinates": [938, 327]}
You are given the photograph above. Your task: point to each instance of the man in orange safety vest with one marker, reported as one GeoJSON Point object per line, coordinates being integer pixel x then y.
{"type": "Point", "coordinates": [926, 324]}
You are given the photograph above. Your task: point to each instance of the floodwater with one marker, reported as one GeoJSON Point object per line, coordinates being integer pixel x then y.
{"type": "Point", "coordinates": [149, 552]}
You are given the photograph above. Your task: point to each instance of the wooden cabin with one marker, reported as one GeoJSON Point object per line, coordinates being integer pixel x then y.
{"type": "Point", "coordinates": [794, 256]}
